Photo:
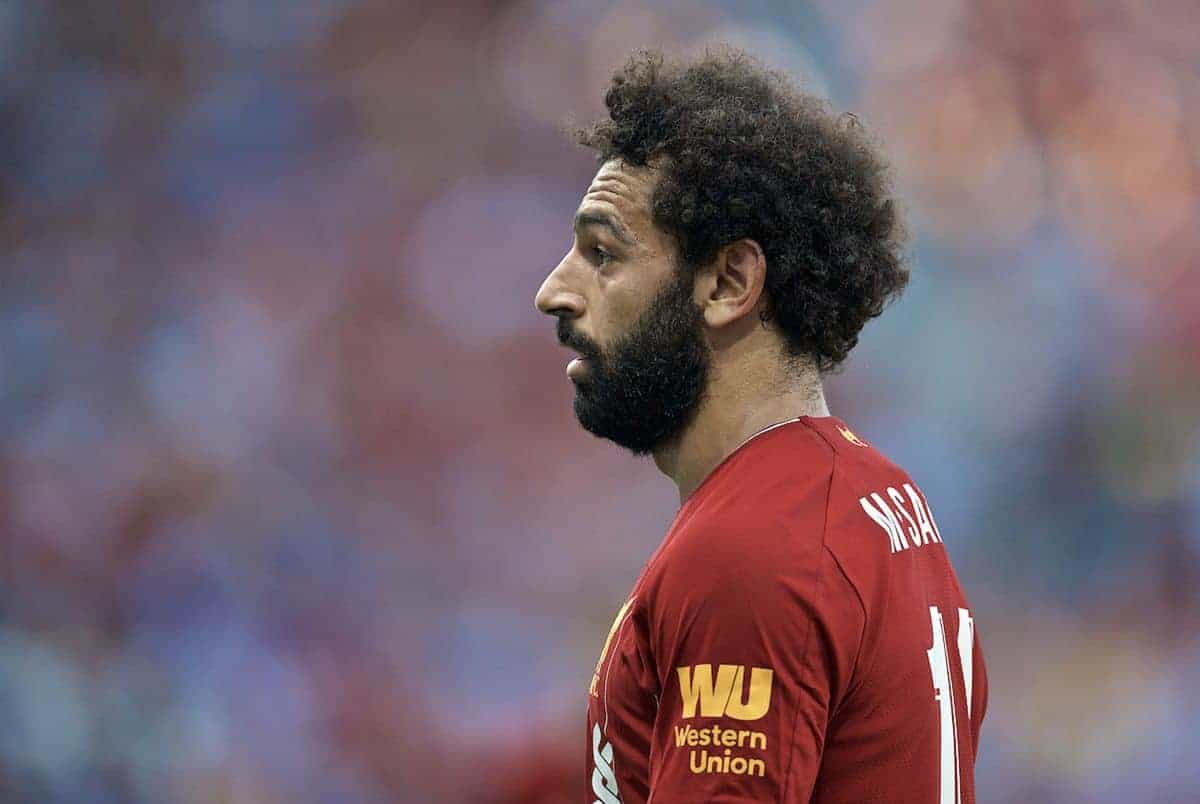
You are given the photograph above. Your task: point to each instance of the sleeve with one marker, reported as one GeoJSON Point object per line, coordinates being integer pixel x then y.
{"type": "Point", "coordinates": [756, 631]}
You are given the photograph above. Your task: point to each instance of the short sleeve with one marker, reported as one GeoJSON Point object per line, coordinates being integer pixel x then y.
{"type": "Point", "coordinates": [756, 630]}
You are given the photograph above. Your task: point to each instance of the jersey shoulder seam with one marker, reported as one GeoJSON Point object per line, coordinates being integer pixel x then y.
{"type": "Point", "coordinates": [859, 659]}
{"type": "Point", "coordinates": [855, 678]}
{"type": "Point", "coordinates": [834, 473]}
{"type": "Point", "coordinates": [787, 777]}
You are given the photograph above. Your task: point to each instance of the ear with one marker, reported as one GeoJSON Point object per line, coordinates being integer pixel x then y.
{"type": "Point", "coordinates": [731, 286]}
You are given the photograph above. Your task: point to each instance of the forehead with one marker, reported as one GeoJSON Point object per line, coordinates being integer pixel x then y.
{"type": "Point", "coordinates": [622, 190]}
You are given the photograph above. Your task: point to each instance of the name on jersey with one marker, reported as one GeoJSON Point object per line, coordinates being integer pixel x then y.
{"type": "Point", "coordinates": [905, 518]}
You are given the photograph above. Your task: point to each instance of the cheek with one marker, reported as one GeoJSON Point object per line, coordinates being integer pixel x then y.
{"type": "Point", "coordinates": [625, 296]}
{"type": "Point", "coordinates": [621, 311]}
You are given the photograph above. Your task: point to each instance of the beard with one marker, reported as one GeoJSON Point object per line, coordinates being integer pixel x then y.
{"type": "Point", "coordinates": [646, 388]}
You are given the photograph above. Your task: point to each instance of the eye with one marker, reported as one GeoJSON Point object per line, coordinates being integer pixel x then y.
{"type": "Point", "coordinates": [602, 256]}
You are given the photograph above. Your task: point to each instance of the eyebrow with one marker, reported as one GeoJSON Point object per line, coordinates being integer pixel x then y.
{"type": "Point", "coordinates": [607, 221]}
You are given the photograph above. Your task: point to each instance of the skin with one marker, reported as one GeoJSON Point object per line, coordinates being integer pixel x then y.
{"type": "Point", "coordinates": [620, 260]}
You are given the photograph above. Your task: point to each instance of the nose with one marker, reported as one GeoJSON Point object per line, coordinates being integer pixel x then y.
{"type": "Point", "coordinates": [555, 297]}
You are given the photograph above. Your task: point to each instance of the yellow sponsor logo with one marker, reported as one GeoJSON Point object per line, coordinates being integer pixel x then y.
{"type": "Point", "coordinates": [714, 735]}
{"type": "Point", "coordinates": [851, 437]}
{"type": "Point", "coordinates": [593, 687]}
{"type": "Point", "coordinates": [725, 694]}
{"type": "Point", "coordinates": [701, 760]}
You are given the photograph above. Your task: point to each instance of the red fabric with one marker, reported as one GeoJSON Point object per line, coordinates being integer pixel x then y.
{"type": "Point", "coordinates": [777, 646]}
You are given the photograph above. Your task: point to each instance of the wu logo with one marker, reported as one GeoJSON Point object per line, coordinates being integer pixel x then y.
{"type": "Point", "coordinates": [725, 695]}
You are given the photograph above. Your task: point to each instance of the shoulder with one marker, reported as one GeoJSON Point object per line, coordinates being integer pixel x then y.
{"type": "Point", "coordinates": [768, 505]}
{"type": "Point", "coordinates": [751, 572]}
{"type": "Point", "coordinates": [757, 534]}
{"type": "Point", "coordinates": [879, 525]}
{"type": "Point", "coordinates": [807, 488]}
{"type": "Point", "coordinates": [862, 479]}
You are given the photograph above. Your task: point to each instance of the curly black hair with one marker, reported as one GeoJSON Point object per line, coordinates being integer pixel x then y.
{"type": "Point", "coordinates": [743, 154]}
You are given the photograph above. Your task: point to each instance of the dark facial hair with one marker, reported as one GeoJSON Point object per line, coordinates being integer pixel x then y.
{"type": "Point", "coordinates": [645, 389]}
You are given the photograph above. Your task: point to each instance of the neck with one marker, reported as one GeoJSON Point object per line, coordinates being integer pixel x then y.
{"type": "Point", "coordinates": [732, 412]}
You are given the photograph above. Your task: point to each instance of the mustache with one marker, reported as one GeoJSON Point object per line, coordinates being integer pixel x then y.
{"type": "Point", "coordinates": [573, 340]}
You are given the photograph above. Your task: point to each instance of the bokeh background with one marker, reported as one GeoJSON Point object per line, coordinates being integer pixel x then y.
{"type": "Point", "coordinates": [293, 507]}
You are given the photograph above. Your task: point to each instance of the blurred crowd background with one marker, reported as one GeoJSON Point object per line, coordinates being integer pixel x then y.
{"type": "Point", "coordinates": [293, 507]}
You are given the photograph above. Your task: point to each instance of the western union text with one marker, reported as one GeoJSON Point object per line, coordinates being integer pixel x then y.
{"type": "Point", "coordinates": [701, 761]}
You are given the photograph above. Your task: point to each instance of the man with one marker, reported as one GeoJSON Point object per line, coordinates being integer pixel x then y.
{"type": "Point", "coordinates": [799, 635]}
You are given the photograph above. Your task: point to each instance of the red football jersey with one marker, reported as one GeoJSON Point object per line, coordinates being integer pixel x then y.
{"type": "Point", "coordinates": [798, 636]}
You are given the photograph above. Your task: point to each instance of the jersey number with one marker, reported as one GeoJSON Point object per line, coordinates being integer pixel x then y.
{"type": "Point", "coordinates": [943, 693]}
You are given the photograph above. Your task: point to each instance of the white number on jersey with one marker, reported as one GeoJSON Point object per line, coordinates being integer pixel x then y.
{"type": "Point", "coordinates": [943, 689]}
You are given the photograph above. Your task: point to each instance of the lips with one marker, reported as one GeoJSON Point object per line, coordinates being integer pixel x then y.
{"type": "Point", "coordinates": [578, 368]}
{"type": "Point", "coordinates": [580, 365]}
